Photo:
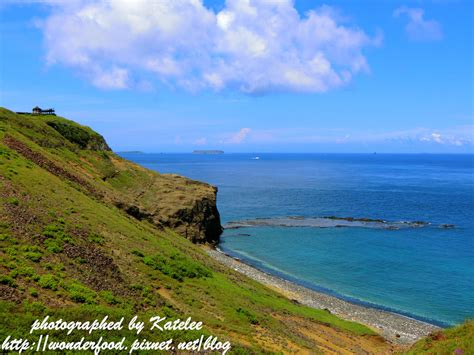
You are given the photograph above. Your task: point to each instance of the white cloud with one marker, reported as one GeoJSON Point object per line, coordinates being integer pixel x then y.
{"type": "Point", "coordinates": [238, 137]}
{"type": "Point", "coordinates": [252, 46]}
{"type": "Point", "coordinates": [417, 27]}
{"type": "Point", "coordinates": [114, 78]}
{"type": "Point", "coordinates": [454, 136]}
{"type": "Point", "coordinates": [447, 139]}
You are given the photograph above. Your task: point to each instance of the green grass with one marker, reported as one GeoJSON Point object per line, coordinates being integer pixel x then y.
{"type": "Point", "coordinates": [82, 136]}
{"type": "Point", "coordinates": [80, 257]}
{"type": "Point", "coordinates": [48, 281]}
{"type": "Point", "coordinates": [177, 266]}
{"type": "Point", "coordinates": [458, 340]}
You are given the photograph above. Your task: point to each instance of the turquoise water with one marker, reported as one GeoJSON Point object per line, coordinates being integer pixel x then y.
{"type": "Point", "coordinates": [425, 272]}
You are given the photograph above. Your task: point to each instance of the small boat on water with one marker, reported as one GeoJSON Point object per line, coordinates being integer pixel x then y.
{"type": "Point", "coordinates": [256, 158]}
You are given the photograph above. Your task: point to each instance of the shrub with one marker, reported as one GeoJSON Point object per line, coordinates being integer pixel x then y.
{"type": "Point", "coordinates": [33, 256]}
{"type": "Point", "coordinates": [55, 266]}
{"type": "Point", "coordinates": [7, 280]}
{"type": "Point", "coordinates": [33, 292]}
{"type": "Point", "coordinates": [56, 236]}
{"type": "Point", "coordinates": [13, 201]}
{"type": "Point", "coordinates": [249, 315]}
{"type": "Point", "coordinates": [36, 308]}
{"type": "Point", "coordinates": [12, 251]}
{"type": "Point", "coordinates": [26, 271]}
{"type": "Point", "coordinates": [138, 253]}
{"type": "Point", "coordinates": [109, 297]}
{"type": "Point", "coordinates": [136, 287]}
{"type": "Point", "coordinates": [53, 245]}
{"type": "Point", "coordinates": [81, 294]}
{"type": "Point", "coordinates": [177, 266]}
{"type": "Point", "coordinates": [96, 238]}
{"type": "Point", "coordinates": [48, 281]}
{"type": "Point", "coordinates": [72, 133]}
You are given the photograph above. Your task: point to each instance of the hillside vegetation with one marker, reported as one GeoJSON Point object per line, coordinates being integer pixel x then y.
{"type": "Point", "coordinates": [458, 340]}
{"type": "Point", "coordinates": [85, 233]}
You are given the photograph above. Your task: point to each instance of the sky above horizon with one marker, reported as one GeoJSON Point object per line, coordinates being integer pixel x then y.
{"type": "Point", "coordinates": [247, 76]}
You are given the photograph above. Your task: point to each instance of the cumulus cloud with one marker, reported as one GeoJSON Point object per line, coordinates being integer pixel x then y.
{"type": "Point", "coordinates": [110, 78]}
{"type": "Point", "coordinates": [417, 27]}
{"type": "Point", "coordinates": [252, 46]}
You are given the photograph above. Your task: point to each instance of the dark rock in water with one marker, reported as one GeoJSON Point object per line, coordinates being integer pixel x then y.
{"type": "Point", "coordinates": [212, 151]}
{"type": "Point", "coordinates": [232, 227]}
{"type": "Point", "coordinates": [418, 223]}
{"type": "Point", "coordinates": [324, 222]}
{"type": "Point", "coordinates": [353, 219]}
{"type": "Point", "coordinates": [447, 226]}
{"type": "Point", "coordinates": [243, 235]}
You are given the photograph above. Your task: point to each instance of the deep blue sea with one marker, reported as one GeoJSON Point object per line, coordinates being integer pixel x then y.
{"type": "Point", "coordinates": [425, 272]}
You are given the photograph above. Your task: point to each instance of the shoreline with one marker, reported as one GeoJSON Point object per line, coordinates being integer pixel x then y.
{"type": "Point", "coordinates": [394, 327]}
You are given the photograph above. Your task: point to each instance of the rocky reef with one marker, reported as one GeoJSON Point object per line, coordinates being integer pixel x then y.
{"type": "Point", "coordinates": [326, 222]}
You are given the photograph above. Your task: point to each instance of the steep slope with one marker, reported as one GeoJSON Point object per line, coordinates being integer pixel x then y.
{"type": "Point", "coordinates": [165, 200]}
{"type": "Point", "coordinates": [84, 233]}
{"type": "Point", "coordinates": [457, 340]}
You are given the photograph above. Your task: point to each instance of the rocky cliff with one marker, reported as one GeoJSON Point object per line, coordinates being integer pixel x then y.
{"type": "Point", "coordinates": [165, 200]}
{"type": "Point", "coordinates": [200, 223]}
{"type": "Point", "coordinates": [171, 201]}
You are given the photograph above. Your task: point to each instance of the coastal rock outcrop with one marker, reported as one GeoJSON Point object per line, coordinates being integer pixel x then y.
{"type": "Point", "coordinates": [199, 223]}
{"type": "Point", "coordinates": [198, 220]}
{"type": "Point", "coordinates": [168, 201]}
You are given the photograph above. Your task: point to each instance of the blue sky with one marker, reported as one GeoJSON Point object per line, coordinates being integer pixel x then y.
{"type": "Point", "coordinates": [258, 76]}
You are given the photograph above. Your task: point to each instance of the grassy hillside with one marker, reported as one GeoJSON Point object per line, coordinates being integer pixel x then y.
{"type": "Point", "coordinates": [84, 233]}
{"type": "Point", "coordinates": [458, 340]}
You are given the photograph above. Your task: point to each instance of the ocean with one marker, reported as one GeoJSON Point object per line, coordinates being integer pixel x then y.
{"type": "Point", "coordinates": [423, 269]}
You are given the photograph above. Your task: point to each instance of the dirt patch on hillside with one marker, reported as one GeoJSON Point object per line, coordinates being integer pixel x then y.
{"type": "Point", "coordinates": [98, 270]}
{"type": "Point", "coordinates": [48, 165]}
{"type": "Point", "coordinates": [332, 341]}
{"type": "Point", "coordinates": [8, 293]}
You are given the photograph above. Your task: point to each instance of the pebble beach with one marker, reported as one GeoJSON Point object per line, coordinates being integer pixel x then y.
{"type": "Point", "coordinates": [394, 327]}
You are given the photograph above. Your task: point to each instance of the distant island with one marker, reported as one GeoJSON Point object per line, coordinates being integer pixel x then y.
{"type": "Point", "coordinates": [208, 152]}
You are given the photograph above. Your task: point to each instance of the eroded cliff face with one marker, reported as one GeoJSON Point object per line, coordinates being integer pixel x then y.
{"type": "Point", "coordinates": [200, 223]}
{"type": "Point", "coordinates": [197, 219]}
{"type": "Point", "coordinates": [167, 200]}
